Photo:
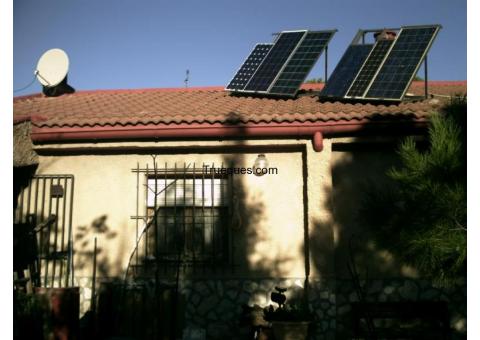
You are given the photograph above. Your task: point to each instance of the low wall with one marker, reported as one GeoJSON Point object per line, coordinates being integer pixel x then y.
{"type": "Point", "coordinates": [213, 307]}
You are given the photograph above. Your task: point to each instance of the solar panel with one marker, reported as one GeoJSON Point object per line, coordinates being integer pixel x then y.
{"type": "Point", "coordinates": [369, 68]}
{"type": "Point", "coordinates": [346, 70]}
{"type": "Point", "coordinates": [402, 63]}
{"type": "Point", "coordinates": [301, 62]}
{"type": "Point", "coordinates": [384, 70]}
{"type": "Point", "coordinates": [249, 67]}
{"type": "Point", "coordinates": [280, 68]}
{"type": "Point", "coordinates": [273, 62]}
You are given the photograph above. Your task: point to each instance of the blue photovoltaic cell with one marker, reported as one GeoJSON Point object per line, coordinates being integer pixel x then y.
{"type": "Point", "coordinates": [402, 63]}
{"type": "Point", "coordinates": [346, 70]}
{"type": "Point", "coordinates": [249, 67]}
{"type": "Point", "coordinates": [369, 68]}
{"type": "Point", "coordinates": [301, 62]}
{"type": "Point", "coordinates": [273, 62]}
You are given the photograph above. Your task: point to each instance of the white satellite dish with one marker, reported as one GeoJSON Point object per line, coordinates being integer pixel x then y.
{"type": "Point", "coordinates": [52, 67]}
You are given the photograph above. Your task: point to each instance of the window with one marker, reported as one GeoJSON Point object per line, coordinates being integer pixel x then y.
{"type": "Point", "coordinates": [191, 217]}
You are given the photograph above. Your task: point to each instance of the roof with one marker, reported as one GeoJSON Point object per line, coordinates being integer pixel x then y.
{"type": "Point", "coordinates": [211, 105]}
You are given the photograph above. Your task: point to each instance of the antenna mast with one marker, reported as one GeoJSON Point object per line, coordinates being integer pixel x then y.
{"type": "Point", "coordinates": [187, 75]}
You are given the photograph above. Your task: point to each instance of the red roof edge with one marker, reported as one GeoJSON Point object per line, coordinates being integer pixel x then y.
{"type": "Point", "coordinates": [316, 131]}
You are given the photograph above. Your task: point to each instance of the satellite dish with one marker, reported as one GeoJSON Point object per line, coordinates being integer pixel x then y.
{"type": "Point", "coordinates": [52, 67]}
{"type": "Point", "coordinates": [51, 72]}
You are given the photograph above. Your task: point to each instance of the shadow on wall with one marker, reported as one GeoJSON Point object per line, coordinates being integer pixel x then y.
{"type": "Point", "coordinates": [357, 167]}
{"type": "Point", "coordinates": [209, 296]}
{"type": "Point", "coordinates": [348, 196]}
{"type": "Point", "coordinates": [214, 303]}
{"type": "Point", "coordinates": [248, 213]}
{"type": "Point", "coordinates": [84, 248]}
{"type": "Point", "coordinates": [21, 177]}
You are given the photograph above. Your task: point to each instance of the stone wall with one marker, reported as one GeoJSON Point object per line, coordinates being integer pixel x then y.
{"type": "Point", "coordinates": [215, 305]}
{"type": "Point", "coordinates": [85, 285]}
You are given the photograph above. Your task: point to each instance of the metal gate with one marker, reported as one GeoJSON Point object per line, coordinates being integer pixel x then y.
{"type": "Point", "coordinates": [45, 207]}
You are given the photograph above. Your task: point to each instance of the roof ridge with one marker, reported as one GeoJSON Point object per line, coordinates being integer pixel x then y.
{"type": "Point", "coordinates": [305, 86]}
{"type": "Point", "coordinates": [117, 91]}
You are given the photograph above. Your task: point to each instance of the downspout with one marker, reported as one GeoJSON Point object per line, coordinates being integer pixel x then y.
{"type": "Point", "coordinates": [317, 141]}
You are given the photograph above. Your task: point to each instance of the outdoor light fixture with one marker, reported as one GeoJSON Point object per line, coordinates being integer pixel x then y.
{"type": "Point", "coordinates": [56, 190]}
{"type": "Point", "coordinates": [260, 163]}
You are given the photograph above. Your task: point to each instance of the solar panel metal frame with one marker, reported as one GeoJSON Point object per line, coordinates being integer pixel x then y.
{"type": "Point", "coordinates": [286, 61]}
{"type": "Point", "coordinates": [333, 31]}
{"type": "Point", "coordinates": [238, 70]}
{"type": "Point", "coordinates": [414, 73]}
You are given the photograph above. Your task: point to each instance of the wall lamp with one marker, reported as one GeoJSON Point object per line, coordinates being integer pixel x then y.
{"type": "Point", "coordinates": [260, 163]}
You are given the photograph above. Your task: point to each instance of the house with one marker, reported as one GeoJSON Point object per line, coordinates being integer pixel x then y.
{"type": "Point", "coordinates": [105, 162]}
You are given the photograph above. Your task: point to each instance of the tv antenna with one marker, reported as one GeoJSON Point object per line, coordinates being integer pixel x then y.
{"type": "Point", "coordinates": [187, 75]}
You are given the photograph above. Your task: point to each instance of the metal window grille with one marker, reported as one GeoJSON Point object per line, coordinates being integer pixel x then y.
{"type": "Point", "coordinates": [191, 216]}
{"type": "Point", "coordinates": [186, 214]}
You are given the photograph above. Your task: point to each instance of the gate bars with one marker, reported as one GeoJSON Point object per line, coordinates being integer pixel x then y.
{"type": "Point", "coordinates": [46, 203]}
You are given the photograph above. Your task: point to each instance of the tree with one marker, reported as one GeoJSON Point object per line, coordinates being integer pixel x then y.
{"type": "Point", "coordinates": [314, 81]}
{"type": "Point", "coordinates": [423, 216]}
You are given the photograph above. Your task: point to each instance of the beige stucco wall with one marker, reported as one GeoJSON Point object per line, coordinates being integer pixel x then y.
{"type": "Point", "coordinates": [269, 237]}
{"type": "Point", "coordinates": [321, 191]}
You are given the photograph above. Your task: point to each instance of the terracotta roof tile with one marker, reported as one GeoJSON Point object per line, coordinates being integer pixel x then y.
{"type": "Point", "coordinates": [212, 105]}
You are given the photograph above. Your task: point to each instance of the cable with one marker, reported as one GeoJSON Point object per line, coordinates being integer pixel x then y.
{"type": "Point", "coordinates": [30, 84]}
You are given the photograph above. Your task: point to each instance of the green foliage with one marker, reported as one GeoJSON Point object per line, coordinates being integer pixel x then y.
{"type": "Point", "coordinates": [422, 218]}
{"type": "Point", "coordinates": [314, 81]}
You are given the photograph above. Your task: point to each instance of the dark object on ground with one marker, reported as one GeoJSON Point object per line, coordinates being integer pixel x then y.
{"type": "Point", "coordinates": [289, 322]}
{"type": "Point", "coordinates": [63, 307]}
{"type": "Point", "coordinates": [284, 312]}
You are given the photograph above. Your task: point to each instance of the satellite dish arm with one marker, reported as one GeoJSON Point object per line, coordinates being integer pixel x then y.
{"type": "Point", "coordinates": [37, 73]}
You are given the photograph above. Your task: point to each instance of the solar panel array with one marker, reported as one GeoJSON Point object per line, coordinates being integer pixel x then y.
{"type": "Point", "coordinates": [382, 71]}
{"type": "Point", "coordinates": [282, 68]}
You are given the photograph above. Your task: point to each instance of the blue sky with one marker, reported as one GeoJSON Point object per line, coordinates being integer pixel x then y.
{"type": "Point", "coordinates": [144, 44]}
